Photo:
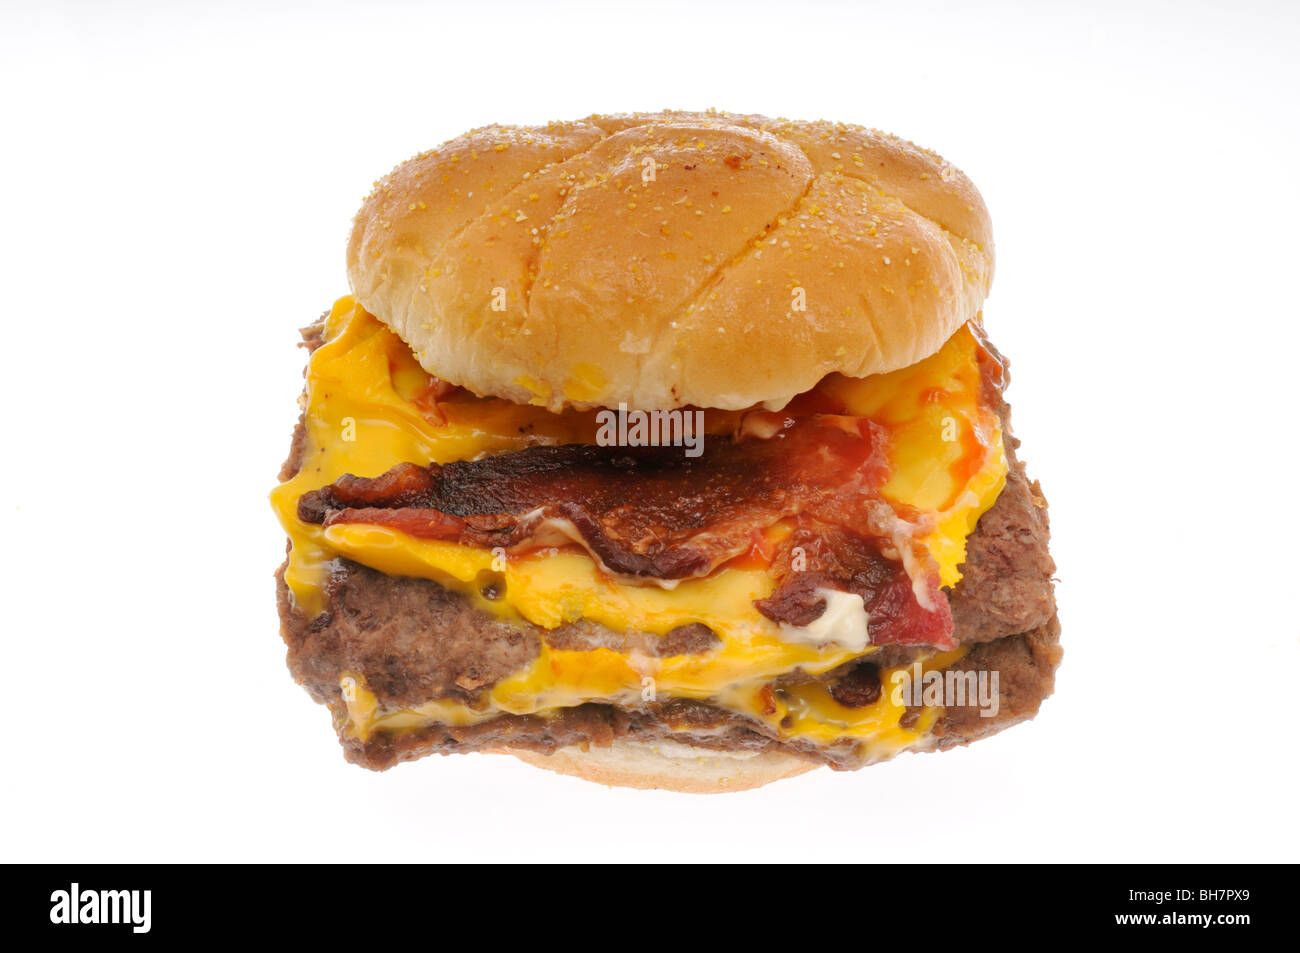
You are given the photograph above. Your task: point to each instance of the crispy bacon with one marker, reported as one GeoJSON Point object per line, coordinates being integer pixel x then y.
{"type": "Point", "coordinates": [838, 559]}
{"type": "Point", "coordinates": [642, 511]}
{"type": "Point", "coordinates": [657, 514]}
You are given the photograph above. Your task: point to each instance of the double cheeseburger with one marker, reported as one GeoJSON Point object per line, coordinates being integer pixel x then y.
{"type": "Point", "coordinates": [666, 450]}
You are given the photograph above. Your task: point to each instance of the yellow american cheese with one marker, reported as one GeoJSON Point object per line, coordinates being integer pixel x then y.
{"type": "Point", "coordinates": [561, 679]}
{"type": "Point", "coordinates": [364, 414]}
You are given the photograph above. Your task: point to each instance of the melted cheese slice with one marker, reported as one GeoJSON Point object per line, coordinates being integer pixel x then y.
{"type": "Point", "coordinates": [561, 679]}
{"type": "Point", "coordinates": [368, 407]}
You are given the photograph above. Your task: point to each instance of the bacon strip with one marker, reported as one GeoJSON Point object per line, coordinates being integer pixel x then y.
{"type": "Point", "coordinates": [643, 511]}
{"type": "Point", "coordinates": [655, 513]}
{"type": "Point", "coordinates": [836, 559]}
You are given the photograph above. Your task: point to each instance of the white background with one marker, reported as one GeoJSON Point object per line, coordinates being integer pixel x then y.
{"type": "Point", "coordinates": [178, 182]}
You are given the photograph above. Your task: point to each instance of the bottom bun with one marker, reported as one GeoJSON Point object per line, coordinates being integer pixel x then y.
{"type": "Point", "coordinates": [668, 766]}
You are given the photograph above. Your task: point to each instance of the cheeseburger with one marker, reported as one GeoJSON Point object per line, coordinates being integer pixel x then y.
{"type": "Point", "coordinates": [666, 450]}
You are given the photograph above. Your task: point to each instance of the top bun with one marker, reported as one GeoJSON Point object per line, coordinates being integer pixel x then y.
{"type": "Point", "coordinates": [670, 259]}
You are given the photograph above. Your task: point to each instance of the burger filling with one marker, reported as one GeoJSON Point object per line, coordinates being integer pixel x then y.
{"type": "Point", "coordinates": [764, 591]}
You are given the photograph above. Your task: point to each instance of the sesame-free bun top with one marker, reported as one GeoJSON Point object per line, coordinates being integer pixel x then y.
{"type": "Point", "coordinates": [670, 259]}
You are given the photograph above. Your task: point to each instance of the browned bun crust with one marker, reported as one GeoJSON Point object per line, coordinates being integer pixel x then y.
{"type": "Point", "coordinates": [670, 259]}
{"type": "Point", "coordinates": [667, 766]}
